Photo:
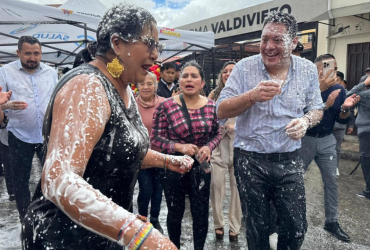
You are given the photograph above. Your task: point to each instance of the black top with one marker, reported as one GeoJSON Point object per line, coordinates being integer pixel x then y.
{"type": "Point", "coordinates": [112, 169]}
{"type": "Point", "coordinates": [331, 115]}
{"type": "Point", "coordinates": [163, 90]}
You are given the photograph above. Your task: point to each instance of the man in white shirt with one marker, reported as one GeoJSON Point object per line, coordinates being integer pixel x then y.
{"type": "Point", "coordinates": [33, 83]}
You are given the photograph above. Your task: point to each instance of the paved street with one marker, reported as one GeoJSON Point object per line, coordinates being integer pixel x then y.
{"type": "Point", "coordinates": [354, 215]}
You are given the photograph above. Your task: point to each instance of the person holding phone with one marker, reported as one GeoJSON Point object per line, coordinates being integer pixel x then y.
{"type": "Point", "coordinates": [187, 124]}
{"type": "Point", "coordinates": [319, 143]}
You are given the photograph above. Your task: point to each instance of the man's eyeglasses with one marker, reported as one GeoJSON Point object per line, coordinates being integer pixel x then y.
{"type": "Point", "coordinates": [152, 44]}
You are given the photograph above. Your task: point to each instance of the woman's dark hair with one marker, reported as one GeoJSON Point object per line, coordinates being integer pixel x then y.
{"type": "Point", "coordinates": [126, 20]}
{"type": "Point", "coordinates": [299, 47]}
{"type": "Point", "coordinates": [285, 18]}
{"type": "Point", "coordinates": [340, 75]}
{"type": "Point", "coordinates": [168, 65]}
{"type": "Point", "coordinates": [193, 64]}
{"type": "Point", "coordinates": [220, 82]}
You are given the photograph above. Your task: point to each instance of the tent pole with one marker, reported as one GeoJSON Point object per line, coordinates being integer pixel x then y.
{"type": "Point", "coordinates": [71, 53]}
{"type": "Point", "coordinates": [85, 33]}
{"type": "Point", "coordinates": [213, 67]}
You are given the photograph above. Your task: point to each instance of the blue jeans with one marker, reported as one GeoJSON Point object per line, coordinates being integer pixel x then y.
{"type": "Point", "coordinates": [150, 189]}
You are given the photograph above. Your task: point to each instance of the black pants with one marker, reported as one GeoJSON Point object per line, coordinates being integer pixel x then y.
{"type": "Point", "coordinates": [150, 190]}
{"type": "Point", "coordinates": [21, 155]}
{"type": "Point", "coordinates": [197, 184]}
{"type": "Point", "coordinates": [365, 158]}
{"type": "Point", "coordinates": [4, 159]}
{"type": "Point", "coordinates": [259, 183]}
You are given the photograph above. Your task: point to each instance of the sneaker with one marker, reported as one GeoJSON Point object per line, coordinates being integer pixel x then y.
{"type": "Point", "coordinates": [156, 225]}
{"type": "Point", "coordinates": [364, 194]}
{"type": "Point", "coordinates": [273, 239]}
{"type": "Point", "coordinates": [335, 229]}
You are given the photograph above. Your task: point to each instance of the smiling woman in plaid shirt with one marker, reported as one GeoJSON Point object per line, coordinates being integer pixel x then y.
{"type": "Point", "coordinates": [173, 135]}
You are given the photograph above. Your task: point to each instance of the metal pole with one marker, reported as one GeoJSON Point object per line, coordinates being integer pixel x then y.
{"type": "Point", "coordinates": [213, 67]}
{"type": "Point", "coordinates": [85, 33]}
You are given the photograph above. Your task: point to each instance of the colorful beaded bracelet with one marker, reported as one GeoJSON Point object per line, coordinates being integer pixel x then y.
{"type": "Point", "coordinates": [128, 222]}
{"type": "Point", "coordinates": [166, 161]}
{"type": "Point", "coordinates": [140, 236]}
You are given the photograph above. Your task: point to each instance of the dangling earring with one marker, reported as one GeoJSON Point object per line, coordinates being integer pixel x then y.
{"type": "Point", "coordinates": [115, 68]}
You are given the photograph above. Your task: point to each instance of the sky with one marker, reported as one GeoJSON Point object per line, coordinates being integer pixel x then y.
{"type": "Point", "coordinates": [175, 13]}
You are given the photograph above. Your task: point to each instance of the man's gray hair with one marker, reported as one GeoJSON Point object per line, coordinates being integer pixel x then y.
{"type": "Point", "coordinates": [284, 18]}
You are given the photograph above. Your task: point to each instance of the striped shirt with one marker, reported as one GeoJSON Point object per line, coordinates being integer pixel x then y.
{"type": "Point", "coordinates": [262, 127]}
{"type": "Point", "coordinates": [170, 127]}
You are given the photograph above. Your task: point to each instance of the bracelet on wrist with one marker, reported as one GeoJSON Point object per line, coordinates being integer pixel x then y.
{"type": "Point", "coordinates": [344, 110]}
{"type": "Point", "coordinates": [166, 162]}
{"type": "Point", "coordinates": [140, 236]}
{"type": "Point", "coordinates": [128, 222]}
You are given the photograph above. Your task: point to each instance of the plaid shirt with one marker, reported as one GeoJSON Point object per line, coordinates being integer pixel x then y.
{"type": "Point", "coordinates": [169, 126]}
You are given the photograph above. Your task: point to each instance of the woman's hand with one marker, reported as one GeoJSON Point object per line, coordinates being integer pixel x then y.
{"type": "Point", "coordinates": [4, 96]}
{"type": "Point", "coordinates": [186, 149]}
{"type": "Point", "coordinates": [180, 164]}
{"type": "Point", "coordinates": [204, 153]}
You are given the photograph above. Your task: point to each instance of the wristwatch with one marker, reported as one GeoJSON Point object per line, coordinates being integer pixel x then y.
{"type": "Point", "coordinates": [5, 122]}
{"type": "Point", "coordinates": [344, 110]}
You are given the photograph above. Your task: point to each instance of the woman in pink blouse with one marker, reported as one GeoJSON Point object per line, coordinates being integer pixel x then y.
{"type": "Point", "coordinates": [150, 189]}
{"type": "Point", "coordinates": [172, 134]}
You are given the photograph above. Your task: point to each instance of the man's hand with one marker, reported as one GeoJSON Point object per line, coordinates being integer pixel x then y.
{"type": "Point", "coordinates": [4, 96]}
{"type": "Point", "coordinates": [331, 99]}
{"type": "Point", "coordinates": [264, 91]}
{"type": "Point", "coordinates": [15, 105]}
{"type": "Point", "coordinates": [351, 101]}
{"type": "Point", "coordinates": [297, 128]}
{"type": "Point", "coordinates": [186, 149]}
{"type": "Point", "coordinates": [326, 81]}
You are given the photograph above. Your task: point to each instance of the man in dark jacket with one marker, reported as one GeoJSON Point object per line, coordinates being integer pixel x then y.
{"type": "Point", "coordinates": [166, 86]}
{"type": "Point", "coordinates": [319, 143]}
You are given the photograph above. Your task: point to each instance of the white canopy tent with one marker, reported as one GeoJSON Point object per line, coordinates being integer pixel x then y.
{"type": "Point", "coordinates": [64, 31]}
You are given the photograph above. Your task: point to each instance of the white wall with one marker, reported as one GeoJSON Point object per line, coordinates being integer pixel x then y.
{"type": "Point", "coordinates": [357, 32]}
{"type": "Point", "coordinates": [338, 47]}
{"type": "Point", "coordinates": [322, 46]}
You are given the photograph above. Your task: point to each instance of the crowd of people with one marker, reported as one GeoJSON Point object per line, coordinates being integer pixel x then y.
{"type": "Point", "coordinates": [268, 118]}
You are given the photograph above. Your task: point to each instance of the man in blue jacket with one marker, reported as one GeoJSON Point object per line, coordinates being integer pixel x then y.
{"type": "Point", "coordinates": [319, 143]}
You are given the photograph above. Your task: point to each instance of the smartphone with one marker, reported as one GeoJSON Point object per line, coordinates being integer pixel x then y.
{"type": "Point", "coordinates": [327, 66]}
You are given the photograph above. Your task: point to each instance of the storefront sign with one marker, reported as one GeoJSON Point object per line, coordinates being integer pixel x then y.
{"type": "Point", "coordinates": [251, 19]}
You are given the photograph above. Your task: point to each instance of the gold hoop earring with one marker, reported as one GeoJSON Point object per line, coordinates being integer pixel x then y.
{"type": "Point", "coordinates": [115, 68]}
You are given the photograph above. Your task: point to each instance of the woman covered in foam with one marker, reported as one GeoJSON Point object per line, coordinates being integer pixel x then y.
{"type": "Point", "coordinates": [95, 143]}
